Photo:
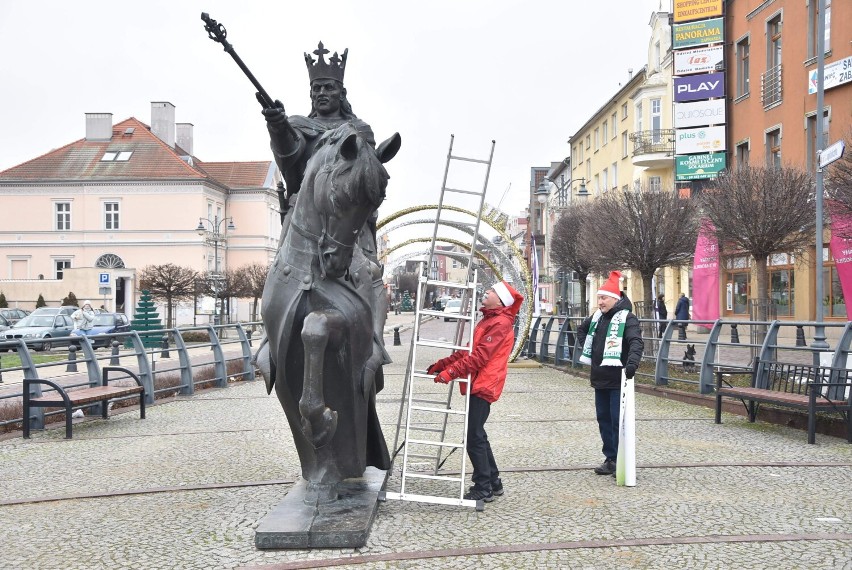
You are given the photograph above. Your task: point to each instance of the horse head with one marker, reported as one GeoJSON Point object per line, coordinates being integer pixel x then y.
{"type": "Point", "coordinates": [349, 182]}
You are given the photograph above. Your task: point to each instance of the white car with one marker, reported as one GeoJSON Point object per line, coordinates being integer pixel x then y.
{"type": "Point", "coordinates": [453, 307]}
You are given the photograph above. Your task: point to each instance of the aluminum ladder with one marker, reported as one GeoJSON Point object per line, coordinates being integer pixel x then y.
{"type": "Point", "coordinates": [420, 433]}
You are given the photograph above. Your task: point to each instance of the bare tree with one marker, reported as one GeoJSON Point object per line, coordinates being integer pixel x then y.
{"type": "Point", "coordinates": [565, 249]}
{"type": "Point", "coordinates": [169, 283]}
{"type": "Point", "coordinates": [761, 211]}
{"type": "Point", "coordinates": [251, 278]}
{"type": "Point", "coordinates": [222, 286]}
{"type": "Point", "coordinates": [642, 231]}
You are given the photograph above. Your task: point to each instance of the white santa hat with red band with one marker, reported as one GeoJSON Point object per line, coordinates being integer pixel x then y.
{"type": "Point", "coordinates": [612, 286]}
{"type": "Point", "coordinates": [502, 290]}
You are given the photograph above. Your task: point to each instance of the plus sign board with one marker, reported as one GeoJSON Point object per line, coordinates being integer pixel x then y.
{"type": "Point", "coordinates": [103, 278]}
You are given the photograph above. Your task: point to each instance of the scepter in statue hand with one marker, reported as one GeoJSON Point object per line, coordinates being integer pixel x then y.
{"type": "Point", "coordinates": [218, 33]}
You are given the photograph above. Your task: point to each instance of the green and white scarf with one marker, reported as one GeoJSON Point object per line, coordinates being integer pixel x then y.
{"type": "Point", "coordinates": [612, 344]}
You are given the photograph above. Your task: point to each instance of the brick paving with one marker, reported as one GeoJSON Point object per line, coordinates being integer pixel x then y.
{"type": "Point", "coordinates": [184, 489]}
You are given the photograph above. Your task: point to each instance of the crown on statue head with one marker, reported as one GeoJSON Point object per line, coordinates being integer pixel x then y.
{"type": "Point", "coordinates": [320, 69]}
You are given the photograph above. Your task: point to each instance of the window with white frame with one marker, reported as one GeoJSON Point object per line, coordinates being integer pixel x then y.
{"type": "Point", "coordinates": [624, 147]}
{"type": "Point", "coordinates": [605, 179]}
{"type": "Point", "coordinates": [605, 132]}
{"type": "Point", "coordinates": [656, 120]}
{"type": "Point", "coordinates": [655, 183]}
{"type": "Point", "coordinates": [614, 175]}
{"type": "Point", "coordinates": [773, 147]}
{"type": "Point", "coordinates": [623, 111]}
{"type": "Point", "coordinates": [597, 139]}
{"type": "Point", "coordinates": [613, 121]}
{"type": "Point", "coordinates": [742, 153]}
{"type": "Point", "coordinates": [111, 212]}
{"type": "Point", "coordinates": [639, 117]}
{"type": "Point", "coordinates": [59, 267]}
{"type": "Point", "coordinates": [597, 184]}
{"type": "Point", "coordinates": [63, 215]}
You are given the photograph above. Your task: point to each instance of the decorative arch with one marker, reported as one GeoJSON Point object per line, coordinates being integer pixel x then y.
{"type": "Point", "coordinates": [110, 261]}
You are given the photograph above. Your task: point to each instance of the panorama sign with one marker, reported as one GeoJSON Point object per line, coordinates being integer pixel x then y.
{"type": "Point", "coordinates": [703, 139]}
{"type": "Point", "coordinates": [699, 113]}
{"type": "Point", "coordinates": [701, 60]}
{"type": "Point", "coordinates": [698, 33]}
{"type": "Point", "coordinates": [697, 87]}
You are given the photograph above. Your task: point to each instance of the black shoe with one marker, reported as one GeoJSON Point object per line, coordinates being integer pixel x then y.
{"type": "Point", "coordinates": [475, 494]}
{"type": "Point", "coordinates": [606, 468]}
{"type": "Point", "coordinates": [496, 488]}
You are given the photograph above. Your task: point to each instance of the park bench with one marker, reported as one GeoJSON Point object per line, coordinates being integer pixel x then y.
{"type": "Point", "coordinates": [70, 398]}
{"type": "Point", "coordinates": [799, 386]}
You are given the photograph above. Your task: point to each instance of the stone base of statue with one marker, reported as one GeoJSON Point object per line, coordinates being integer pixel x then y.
{"type": "Point", "coordinates": [344, 523]}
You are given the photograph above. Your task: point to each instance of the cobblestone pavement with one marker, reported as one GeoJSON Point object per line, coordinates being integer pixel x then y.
{"type": "Point", "coordinates": [184, 489]}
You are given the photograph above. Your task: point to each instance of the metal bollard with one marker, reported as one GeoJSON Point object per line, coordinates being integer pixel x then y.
{"type": "Point", "coordinates": [1, 369]}
{"type": "Point", "coordinates": [735, 334]}
{"type": "Point", "coordinates": [396, 339]}
{"type": "Point", "coordinates": [800, 336]}
{"type": "Point", "coordinates": [114, 360]}
{"type": "Point", "coordinates": [165, 347]}
{"type": "Point", "coordinates": [72, 359]}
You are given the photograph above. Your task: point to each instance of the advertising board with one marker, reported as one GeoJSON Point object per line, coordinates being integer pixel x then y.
{"type": "Point", "coordinates": [687, 10]}
{"type": "Point", "coordinates": [695, 87]}
{"type": "Point", "coordinates": [702, 139]}
{"type": "Point", "coordinates": [699, 113]}
{"type": "Point", "coordinates": [698, 33]}
{"type": "Point", "coordinates": [699, 166]}
{"type": "Point", "coordinates": [699, 60]}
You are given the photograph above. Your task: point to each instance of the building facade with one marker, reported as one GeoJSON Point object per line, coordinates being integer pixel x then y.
{"type": "Point", "coordinates": [125, 196]}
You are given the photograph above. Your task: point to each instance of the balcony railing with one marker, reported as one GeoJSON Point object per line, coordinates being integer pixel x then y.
{"type": "Point", "coordinates": [660, 141]}
{"type": "Point", "coordinates": [770, 86]}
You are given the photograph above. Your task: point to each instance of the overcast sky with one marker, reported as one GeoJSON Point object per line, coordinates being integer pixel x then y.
{"type": "Point", "coordinates": [525, 73]}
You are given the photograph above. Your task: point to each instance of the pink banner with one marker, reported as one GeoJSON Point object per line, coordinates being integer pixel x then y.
{"type": "Point", "coordinates": [705, 276]}
{"type": "Point", "coordinates": [841, 251]}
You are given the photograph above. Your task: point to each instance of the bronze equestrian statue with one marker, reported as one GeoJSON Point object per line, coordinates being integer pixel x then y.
{"type": "Point", "coordinates": [324, 302]}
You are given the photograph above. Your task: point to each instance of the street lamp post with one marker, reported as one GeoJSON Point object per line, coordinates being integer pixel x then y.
{"type": "Point", "coordinates": [215, 236]}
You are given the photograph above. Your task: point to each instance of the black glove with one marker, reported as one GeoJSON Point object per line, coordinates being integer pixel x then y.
{"type": "Point", "coordinates": [630, 371]}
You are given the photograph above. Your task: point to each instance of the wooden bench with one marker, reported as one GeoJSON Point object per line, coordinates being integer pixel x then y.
{"type": "Point", "coordinates": [799, 386]}
{"type": "Point", "coordinates": [77, 397]}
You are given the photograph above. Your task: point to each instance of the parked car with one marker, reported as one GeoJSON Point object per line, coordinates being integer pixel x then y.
{"type": "Point", "coordinates": [107, 323]}
{"type": "Point", "coordinates": [13, 315]}
{"type": "Point", "coordinates": [4, 323]}
{"type": "Point", "coordinates": [49, 329]}
{"type": "Point", "coordinates": [63, 310]}
{"type": "Point", "coordinates": [453, 308]}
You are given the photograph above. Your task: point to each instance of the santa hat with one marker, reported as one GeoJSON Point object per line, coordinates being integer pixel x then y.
{"type": "Point", "coordinates": [611, 288]}
{"type": "Point", "coordinates": [506, 293]}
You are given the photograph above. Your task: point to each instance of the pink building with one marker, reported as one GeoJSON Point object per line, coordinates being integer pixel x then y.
{"type": "Point", "coordinates": [125, 196]}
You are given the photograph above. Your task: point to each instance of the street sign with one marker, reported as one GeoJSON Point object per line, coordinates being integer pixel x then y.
{"type": "Point", "coordinates": [103, 278]}
{"type": "Point", "coordinates": [104, 291]}
{"type": "Point", "coordinates": [831, 153]}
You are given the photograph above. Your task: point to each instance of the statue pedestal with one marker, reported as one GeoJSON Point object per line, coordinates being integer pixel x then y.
{"type": "Point", "coordinates": [344, 523]}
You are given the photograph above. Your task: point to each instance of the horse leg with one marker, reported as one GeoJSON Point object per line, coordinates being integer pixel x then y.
{"type": "Point", "coordinates": [320, 328]}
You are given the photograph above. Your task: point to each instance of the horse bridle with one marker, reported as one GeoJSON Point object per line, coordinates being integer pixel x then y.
{"type": "Point", "coordinates": [320, 240]}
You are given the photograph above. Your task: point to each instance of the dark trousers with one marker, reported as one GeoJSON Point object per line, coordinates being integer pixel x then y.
{"type": "Point", "coordinates": [607, 408]}
{"type": "Point", "coordinates": [485, 470]}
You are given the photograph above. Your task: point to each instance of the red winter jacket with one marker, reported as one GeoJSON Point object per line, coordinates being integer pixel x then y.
{"type": "Point", "coordinates": [493, 340]}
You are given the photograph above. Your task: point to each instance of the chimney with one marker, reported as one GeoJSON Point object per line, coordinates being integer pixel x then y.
{"type": "Point", "coordinates": [630, 73]}
{"type": "Point", "coordinates": [184, 137]}
{"type": "Point", "coordinates": [98, 126]}
{"type": "Point", "coordinates": [163, 121]}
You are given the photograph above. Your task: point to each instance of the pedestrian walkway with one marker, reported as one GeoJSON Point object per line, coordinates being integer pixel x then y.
{"type": "Point", "coordinates": [184, 488]}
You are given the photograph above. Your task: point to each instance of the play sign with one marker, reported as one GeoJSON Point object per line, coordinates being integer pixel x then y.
{"type": "Point", "coordinates": [695, 87]}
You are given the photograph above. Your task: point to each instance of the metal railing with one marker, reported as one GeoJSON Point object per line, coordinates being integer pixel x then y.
{"type": "Point", "coordinates": [653, 142]}
{"type": "Point", "coordinates": [770, 86]}
{"type": "Point", "coordinates": [159, 370]}
{"type": "Point", "coordinates": [721, 345]}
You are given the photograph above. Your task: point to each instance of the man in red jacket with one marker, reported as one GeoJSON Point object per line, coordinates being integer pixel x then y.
{"type": "Point", "coordinates": [493, 340]}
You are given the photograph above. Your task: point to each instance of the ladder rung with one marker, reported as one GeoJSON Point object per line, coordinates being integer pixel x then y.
{"type": "Point", "coordinates": [435, 477]}
{"type": "Point", "coordinates": [438, 410]}
{"type": "Point", "coordinates": [436, 443]}
{"type": "Point", "coordinates": [439, 344]}
{"type": "Point", "coordinates": [433, 430]}
{"type": "Point", "coordinates": [479, 160]}
{"type": "Point", "coordinates": [463, 191]}
{"type": "Point", "coordinates": [441, 314]}
{"type": "Point", "coordinates": [421, 401]}
{"type": "Point", "coordinates": [451, 284]}
{"type": "Point", "coordinates": [432, 376]}
{"type": "Point", "coordinates": [430, 499]}
{"type": "Point", "coordinates": [421, 456]}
